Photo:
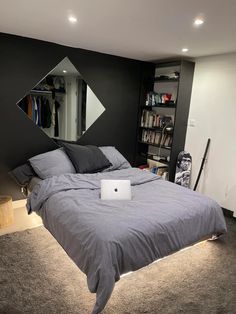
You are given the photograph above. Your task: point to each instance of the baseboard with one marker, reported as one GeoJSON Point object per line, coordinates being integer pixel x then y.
{"type": "Point", "coordinates": [19, 203]}
{"type": "Point", "coordinates": [228, 213]}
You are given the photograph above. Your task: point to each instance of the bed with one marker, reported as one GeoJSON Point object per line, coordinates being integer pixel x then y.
{"type": "Point", "coordinates": [106, 239]}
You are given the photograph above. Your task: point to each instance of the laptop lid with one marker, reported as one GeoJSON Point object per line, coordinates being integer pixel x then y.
{"type": "Point", "coordinates": [115, 190]}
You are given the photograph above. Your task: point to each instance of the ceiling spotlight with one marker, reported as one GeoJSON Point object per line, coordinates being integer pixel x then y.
{"type": "Point", "coordinates": [185, 49]}
{"type": "Point", "coordinates": [64, 71]}
{"type": "Point", "coordinates": [198, 22]}
{"type": "Point", "coordinates": [72, 19]}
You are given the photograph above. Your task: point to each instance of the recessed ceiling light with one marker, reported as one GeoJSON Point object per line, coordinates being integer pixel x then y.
{"type": "Point", "coordinates": [72, 19]}
{"type": "Point", "coordinates": [198, 22]}
{"type": "Point", "coordinates": [185, 49]}
{"type": "Point", "coordinates": [64, 71]}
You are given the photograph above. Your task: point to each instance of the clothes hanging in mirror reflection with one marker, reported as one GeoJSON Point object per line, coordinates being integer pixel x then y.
{"type": "Point", "coordinates": [42, 110]}
{"type": "Point", "coordinates": [56, 128]}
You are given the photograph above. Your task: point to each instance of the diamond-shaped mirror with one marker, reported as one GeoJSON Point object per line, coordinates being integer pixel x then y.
{"type": "Point", "coordinates": [62, 104]}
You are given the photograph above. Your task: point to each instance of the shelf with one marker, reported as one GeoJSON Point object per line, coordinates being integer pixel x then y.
{"type": "Point", "coordinates": [156, 145]}
{"type": "Point", "coordinates": [160, 161]}
{"type": "Point", "coordinates": [160, 105]}
{"type": "Point", "coordinates": [179, 85]}
{"type": "Point", "coordinates": [151, 157]}
{"type": "Point", "coordinates": [166, 80]}
{"type": "Point", "coordinates": [155, 129]}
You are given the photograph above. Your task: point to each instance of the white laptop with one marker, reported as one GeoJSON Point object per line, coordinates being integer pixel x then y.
{"type": "Point", "coordinates": [115, 190]}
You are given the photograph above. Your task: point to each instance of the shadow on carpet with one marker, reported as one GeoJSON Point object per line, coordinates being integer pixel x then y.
{"type": "Point", "coordinates": [36, 276]}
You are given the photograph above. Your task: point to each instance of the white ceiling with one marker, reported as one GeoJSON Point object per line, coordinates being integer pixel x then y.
{"type": "Point", "coordinates": [139, 29]}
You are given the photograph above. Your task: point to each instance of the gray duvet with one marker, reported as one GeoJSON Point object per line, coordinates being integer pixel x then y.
{"type": "Point", "coordinates": [109, 238]}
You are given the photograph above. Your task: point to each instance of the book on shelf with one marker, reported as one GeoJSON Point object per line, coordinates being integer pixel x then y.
{"type": "Point", "coordinates": [166, 140]}
{"type": "Point", "coordinates": [152, 137]}
{"type": "Point", "coordinates": [151, 119]}
{"type": "Point", "coordinates": [157, 138]}
{"type": "Point", "coordinates": [155, 99]}
{"type": "Point", "coordinates": [161, 171]}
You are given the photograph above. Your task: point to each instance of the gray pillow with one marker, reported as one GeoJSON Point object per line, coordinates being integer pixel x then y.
{"type": "Point", "coordinates": [117, 160]}
{"type": "Point", "coordinates": [22, 174]}
{"type": "Point", "coordinates": [51, 164]}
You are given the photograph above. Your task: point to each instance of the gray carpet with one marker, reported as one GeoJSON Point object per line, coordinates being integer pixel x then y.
{"type": "Point", "coordinates": [36, 276]}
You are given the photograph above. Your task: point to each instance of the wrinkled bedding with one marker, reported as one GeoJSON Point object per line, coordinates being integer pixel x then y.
{"type": "Point", "coordinates": [109, 238]}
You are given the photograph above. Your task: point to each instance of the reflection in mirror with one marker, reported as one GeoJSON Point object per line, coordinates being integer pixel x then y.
{"type": "Point", "coordinates": [62, 104]}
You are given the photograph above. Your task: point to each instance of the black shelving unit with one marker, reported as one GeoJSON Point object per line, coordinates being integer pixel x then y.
{"type": "Point", "coordinates": [179, 110]}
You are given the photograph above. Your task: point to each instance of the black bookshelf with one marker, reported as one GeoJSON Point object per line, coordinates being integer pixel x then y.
{"type": "Point", "coordinates": [144, 150]}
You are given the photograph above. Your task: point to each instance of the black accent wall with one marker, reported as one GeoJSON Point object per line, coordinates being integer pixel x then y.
{"type": "Point", "coordinates": [24, 62]}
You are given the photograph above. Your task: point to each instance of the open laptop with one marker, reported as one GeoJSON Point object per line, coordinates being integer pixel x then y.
{"type": "Point", "coordinates": [115, 190]}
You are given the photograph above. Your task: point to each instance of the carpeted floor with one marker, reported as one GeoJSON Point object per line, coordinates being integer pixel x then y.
{"type": "Point", "coordinates": [36, 276]}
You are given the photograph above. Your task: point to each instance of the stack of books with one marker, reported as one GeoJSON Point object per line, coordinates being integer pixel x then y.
{"type": "Point", "coordinates": [155, 99]}
{"type": "Point", "coordinates": [151, 119]}
{"type": "Point", "coordinates": [156, 138]}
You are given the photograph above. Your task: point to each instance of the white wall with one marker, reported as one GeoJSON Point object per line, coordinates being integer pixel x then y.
{"type": "Point", "coordinates": [213, 107]}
